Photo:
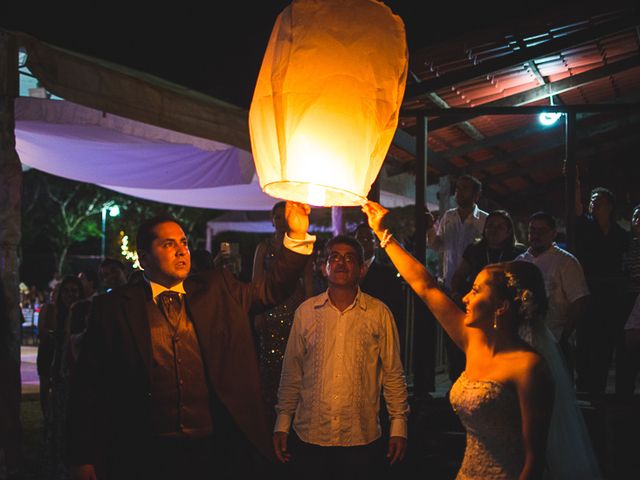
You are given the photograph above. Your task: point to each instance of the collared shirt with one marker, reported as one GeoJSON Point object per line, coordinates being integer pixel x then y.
{"type": "Point", "coordinates": [157, 289]}
{"type": "Point", "coordinates": [564, 281]}
{"type": "Point", "coordinates": [303, 247]}
{"type": "Point", "coordinates": [333, 370]}
{"type": "Point", "coordinates": [456, 236]}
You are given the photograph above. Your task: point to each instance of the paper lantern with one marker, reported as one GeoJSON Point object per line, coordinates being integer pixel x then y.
{"type": "Point", "coordinates": [327, 99]}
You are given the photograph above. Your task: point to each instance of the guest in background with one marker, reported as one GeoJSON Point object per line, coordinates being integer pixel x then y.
{"type": "Point", "coordinates": [53, 327]}
{"type": "Point", "coordinates": [600, 246]}
{"type": "Point", "coordinates": [498, 244]}
{"type": "Point", "coordinates": [629, 355]}
{"type": "Point", "coordinates": [272, 326]}
{"type": "Point", "coordinates": [89, 279]}
{"type": "Point", "coordinates": [113, 273]}
{"type": "Point", "coordinates": [564, 280]}
{"type": "Point", "coordinates": [52, 365]}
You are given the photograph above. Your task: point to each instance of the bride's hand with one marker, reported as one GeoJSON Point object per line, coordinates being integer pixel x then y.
{"type": "Point", "coordinates": [375, 215]}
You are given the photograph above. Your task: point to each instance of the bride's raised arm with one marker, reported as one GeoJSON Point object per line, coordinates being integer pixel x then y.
{"type": "Point", "coordinates": [419, 279]}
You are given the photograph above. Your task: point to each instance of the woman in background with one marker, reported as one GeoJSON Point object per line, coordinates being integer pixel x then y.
{"type": "Point", "coordinates": [272, 326]}
{"type": "Point", "coordinates": [53, 370]}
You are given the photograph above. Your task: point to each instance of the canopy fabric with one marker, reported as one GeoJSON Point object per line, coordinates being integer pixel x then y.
{"type": "Point", "coordinates": [141, 160]}
{"type": "Point", "coordinates": [82, 144]}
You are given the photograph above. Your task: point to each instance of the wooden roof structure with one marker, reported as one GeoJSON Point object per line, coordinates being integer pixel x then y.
{"type": "Point", "coordinates": [585, 62]}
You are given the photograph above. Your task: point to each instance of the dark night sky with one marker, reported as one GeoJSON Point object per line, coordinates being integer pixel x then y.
{"type": "Point", "coordinates": [219, 51]}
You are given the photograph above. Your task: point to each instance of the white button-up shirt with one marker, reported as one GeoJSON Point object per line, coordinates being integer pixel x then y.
{"type": "Point", "coordinates": [564, 281]}
{"type": "Point", "coordinates": [456, 236]}
{"type": "Point", "coordinates": [333, 370]}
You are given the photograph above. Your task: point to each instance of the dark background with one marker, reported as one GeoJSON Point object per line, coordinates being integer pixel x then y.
{"type": "Point", "coordinates": [217, 47]}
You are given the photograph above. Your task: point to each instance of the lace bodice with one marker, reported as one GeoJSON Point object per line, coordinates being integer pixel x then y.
{"type": "Point", "coordinates": [491, 414]}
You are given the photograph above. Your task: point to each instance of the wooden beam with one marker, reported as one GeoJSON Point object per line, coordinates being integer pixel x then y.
{"type": "Point", "coordinates": [570, 174]}
{"type": "Point", "coordinates": [548, 89]}
{"type": "Point", "coordinates": [523, 153]}
{"type": "Point", "coordinates": [421, 90]}
{"type": "Point", "coordinates": [407, 142]}
{"type": "Point", "coordinates": [554, 142]}
{"type": "Point", "coordinates": [534, 127]}
{"type": "Point", "coordinates": [465, 126]}
{"type": "Point", "coordinates": [612, 145]}
{"type": "Point", "coordinates": [566, 84]}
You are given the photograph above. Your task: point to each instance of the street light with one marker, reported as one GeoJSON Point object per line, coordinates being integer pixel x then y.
{"type": "Point", "coordinates": [114, 211]}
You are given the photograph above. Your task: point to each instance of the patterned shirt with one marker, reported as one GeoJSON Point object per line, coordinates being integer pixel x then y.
{"type": "Point", "coordinates": [456, 236]}
{"type": "Point", "coordinates": [334, 368]}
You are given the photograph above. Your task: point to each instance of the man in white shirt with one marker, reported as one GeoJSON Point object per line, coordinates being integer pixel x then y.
{"type": "Point", "coordinates": [343, 348]}
{"type": "Point", "coordinates": [564, 279]}
{"type": "Point", "coordinates": [458, 227]}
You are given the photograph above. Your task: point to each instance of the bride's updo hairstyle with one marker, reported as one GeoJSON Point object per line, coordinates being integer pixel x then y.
{"type": "Point", "coordinates": [522, 285]}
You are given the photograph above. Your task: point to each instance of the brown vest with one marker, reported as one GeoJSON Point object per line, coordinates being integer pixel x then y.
{"type": "Point", "coordinates": [180, 396]}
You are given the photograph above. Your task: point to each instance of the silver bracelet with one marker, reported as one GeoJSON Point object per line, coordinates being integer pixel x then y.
{"type": "Point", "coordinates": [386, 238]}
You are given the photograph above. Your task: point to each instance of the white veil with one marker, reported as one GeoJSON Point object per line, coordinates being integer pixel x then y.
{"type": "Point", "coordinates": [569, 452]}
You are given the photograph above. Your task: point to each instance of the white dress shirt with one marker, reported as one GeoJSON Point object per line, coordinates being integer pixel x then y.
{"type": "Point", "coordinates": [564, 281]}
{"type": "Point", "coordinates": [157, 289]}
{"type": "Point", "coordinates": [456, 236]}
{"type": "Point", "coordinates": [333, 370]}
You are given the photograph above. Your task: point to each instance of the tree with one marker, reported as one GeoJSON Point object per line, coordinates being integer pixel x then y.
{"type": "Point", "coordinates": [70, 212]}
{"type": "Point", "coordinates": [67, 211]}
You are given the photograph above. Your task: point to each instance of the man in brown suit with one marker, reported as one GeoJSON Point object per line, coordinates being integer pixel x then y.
{"type": "Point", "coordinates": [167, 382]}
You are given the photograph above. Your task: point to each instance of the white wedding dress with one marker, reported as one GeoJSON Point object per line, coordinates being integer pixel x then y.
{"type": "Point", "coordinates": [491, 415]}
{"type": "Point", "coordinates": [489, 411]}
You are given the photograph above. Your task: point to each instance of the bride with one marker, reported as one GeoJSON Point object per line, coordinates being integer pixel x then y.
{"type": "Point", "coordinates": [505, 397]}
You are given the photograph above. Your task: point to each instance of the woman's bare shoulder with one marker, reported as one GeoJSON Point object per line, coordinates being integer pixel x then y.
{"type": "Point", "coordinates": [525, 365]}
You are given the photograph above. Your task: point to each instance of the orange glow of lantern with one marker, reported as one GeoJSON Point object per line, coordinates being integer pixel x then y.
{"type": "Point", "coordinates": [327, 99]}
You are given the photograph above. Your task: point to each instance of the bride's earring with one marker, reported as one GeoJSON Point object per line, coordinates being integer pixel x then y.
{"type": "Point", "coordinates": [495, 321]}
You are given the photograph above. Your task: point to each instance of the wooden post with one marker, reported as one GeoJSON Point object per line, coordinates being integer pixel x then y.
{"type": "Point", "coordinates": [10, 194]}
{"type": "Point", "coordinates": [10, 230]}
{"type": "Point", "coordinates": [570, 172]}
{"type": "Point", "coordinates": [423, 321]}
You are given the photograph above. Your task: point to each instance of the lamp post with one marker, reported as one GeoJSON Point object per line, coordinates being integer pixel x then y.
{"type": "Point", "coordinates": [114, 211]}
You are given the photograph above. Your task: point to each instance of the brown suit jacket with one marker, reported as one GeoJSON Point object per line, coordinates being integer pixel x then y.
{"type": "Point", "coordinates": [110, 394]}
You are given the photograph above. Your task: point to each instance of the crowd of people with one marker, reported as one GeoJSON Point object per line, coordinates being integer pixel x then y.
{"type": "Point", "coordinates": [61, 326]}
{"type": "Point", "coordinates": [591, 290]}
{"type": "Point", "coordinates": [184, 371]}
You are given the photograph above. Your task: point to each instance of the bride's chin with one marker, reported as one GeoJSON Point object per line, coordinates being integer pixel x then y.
{"type": "Point", "coordinates": [472, 322]}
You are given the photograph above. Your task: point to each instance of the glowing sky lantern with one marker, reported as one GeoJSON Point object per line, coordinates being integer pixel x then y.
{"type": "Point", "coordinates": [327, 99]}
